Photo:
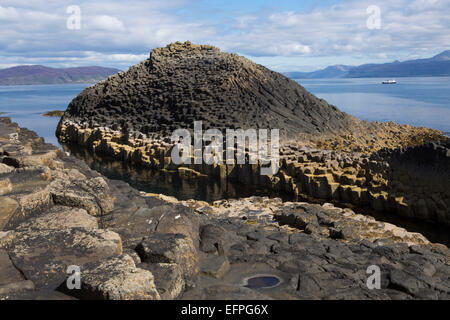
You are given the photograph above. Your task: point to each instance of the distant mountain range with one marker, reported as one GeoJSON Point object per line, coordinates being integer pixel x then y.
{"type": "Point", "coordinates": [37, 74]}
{"type": "Point", "coordinates": [438, 65]}
{"type": "Point", "coordinates": [338, 71]}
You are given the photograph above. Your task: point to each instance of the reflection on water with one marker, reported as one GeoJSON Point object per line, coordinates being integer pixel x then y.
{"type": "Point", "coordinates": [262, 282]}
{"type": "Point", "coordinates": [170, 183]}
{"type": "Point", "coordinates": [210, 189]}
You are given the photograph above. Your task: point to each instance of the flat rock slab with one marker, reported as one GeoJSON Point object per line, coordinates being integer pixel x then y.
{"type": "Point", "coordinates": [179, 219]}
{"type": "Point", "coordinates": [8, 273]}
{"type": "Point", "coordinates": [60, 217]}
{"type": "Point", "coordinates": [170, 218]}
{"type": "Point", "coordinates": [214, 266]}
{"type": "Point", "coordinates": [44, 255]}
{"type": "Point", "coordinates": [11, 290]}
{"type": "Point", "coordinates": [11, 280]}
{"type": "Point", "coordinates": [168, 279]}
{"type": "Point", "coordinates": [214, 239]}
{"type": "Point", "coordinates": [30, 203]}
{"type": "Point", "coordinates": [5, 168]}
{"type": "Point", "coordinates": [170, 248]}
{"type": "Point", "coordinates": [5, 186]}
{"type": "Point", "coordinates": [7, 208]}
{"type": "Point", "coordinates": [39, 158]}
{"type": "Point", "coordinates": [115, 278]}
{"type": "Point", "coordinates": [26, 180]}
{"type": "Point", "coordinates": [92, 195]}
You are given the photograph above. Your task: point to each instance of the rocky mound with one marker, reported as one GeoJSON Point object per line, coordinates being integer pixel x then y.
{"type": "Point", "coordinates": [184, 82]}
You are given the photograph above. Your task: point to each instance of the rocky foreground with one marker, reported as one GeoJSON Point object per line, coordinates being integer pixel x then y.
{"type": "Point", "coordinates": [55, 212]}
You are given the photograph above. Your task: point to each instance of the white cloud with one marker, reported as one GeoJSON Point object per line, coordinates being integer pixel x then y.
{"type": "Point", "coordinates": [120, 33]}
{"type": "Point", "coordinates": [128, 57]}
{"type": "Point", "coordinates": [407, 27]}
{"type": "Point", "coordinates": [8, 13]}
{"type": "Point", "coordinates": [107, 23]}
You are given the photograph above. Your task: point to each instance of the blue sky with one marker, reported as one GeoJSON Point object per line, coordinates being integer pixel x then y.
{"type": "Point", "coordinates": [284, 35]}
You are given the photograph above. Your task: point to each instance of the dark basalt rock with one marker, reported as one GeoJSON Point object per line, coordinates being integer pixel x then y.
{"type": "Point", "coordinates": [312, 267]}
{"type": "Point", "coordinates": [170, 248]}
{"type": "Point", "coordinates": [184, 82]}
{"type": "Point", "coordinates": [151, 247]}
{"type": "Point", "coordinates": [114, 278]}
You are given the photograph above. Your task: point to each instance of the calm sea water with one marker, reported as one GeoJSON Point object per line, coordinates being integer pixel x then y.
{"type": "Point", "coordinates": [422, 101]}
{"type": "Point", "coordinates": [27, 104]}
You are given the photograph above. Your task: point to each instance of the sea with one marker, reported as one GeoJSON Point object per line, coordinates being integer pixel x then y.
{"type": "Point", "coordinates": [419, 101]}
{"type": "Point", "coordinates": [27, 104]}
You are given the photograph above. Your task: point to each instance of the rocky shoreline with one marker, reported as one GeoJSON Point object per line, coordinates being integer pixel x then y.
{"type": "Point", "coordinates": [411, 182]}
{"type": "Point", "coordinates": [55, 212]}
{"type": "Point", "coordinates": [325, 153]}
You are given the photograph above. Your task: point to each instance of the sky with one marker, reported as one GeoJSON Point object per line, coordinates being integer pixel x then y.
{"type": "Point", "coordinates": [284, 35]}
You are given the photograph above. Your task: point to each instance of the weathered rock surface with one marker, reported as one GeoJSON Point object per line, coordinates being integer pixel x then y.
{"type": "Point", "coordinates": [91, 195]}
{"type": "Point", "coordinates": [314, 267]}
{"type": "Point", "coordinates": [115, 278]}
{"type": "Point", "coordinates": [297, 243]}
{"type": "Point", "coordinates": [170, 248]}
{"type": "Point", "coordinates": [59, 217]}
{"type": "Point", "coordinates": [214, 266]}
{"type": "Point", "coordinates": [49, 218]}
{"type": "Point", "coordinates": [11, 280]}
{"type": "Point", "coordinates": [43, 255]}
{"type": "Point", "coordinates": [139, 246]}
{"type": "Point", "coordinates": [169, 279]}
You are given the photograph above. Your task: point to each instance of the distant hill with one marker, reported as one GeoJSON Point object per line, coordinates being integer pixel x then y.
{"type": "Point", "coordinates": [337, 71]}
{"type": "Point", "coordinates": [438, 65]}
{"type": "Point", "coordinates": [37, 74]}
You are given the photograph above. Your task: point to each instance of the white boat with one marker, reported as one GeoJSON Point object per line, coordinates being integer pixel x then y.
{"type": "Point", "coordinates": [389, 82]}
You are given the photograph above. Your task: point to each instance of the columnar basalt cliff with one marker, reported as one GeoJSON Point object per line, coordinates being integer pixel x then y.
{"type": "Point", "coordinates": [55, 212]}
{"type": "Point", "coordinates": [325, 153]}
{"type": "Point", "coordinates": [185, 82]}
